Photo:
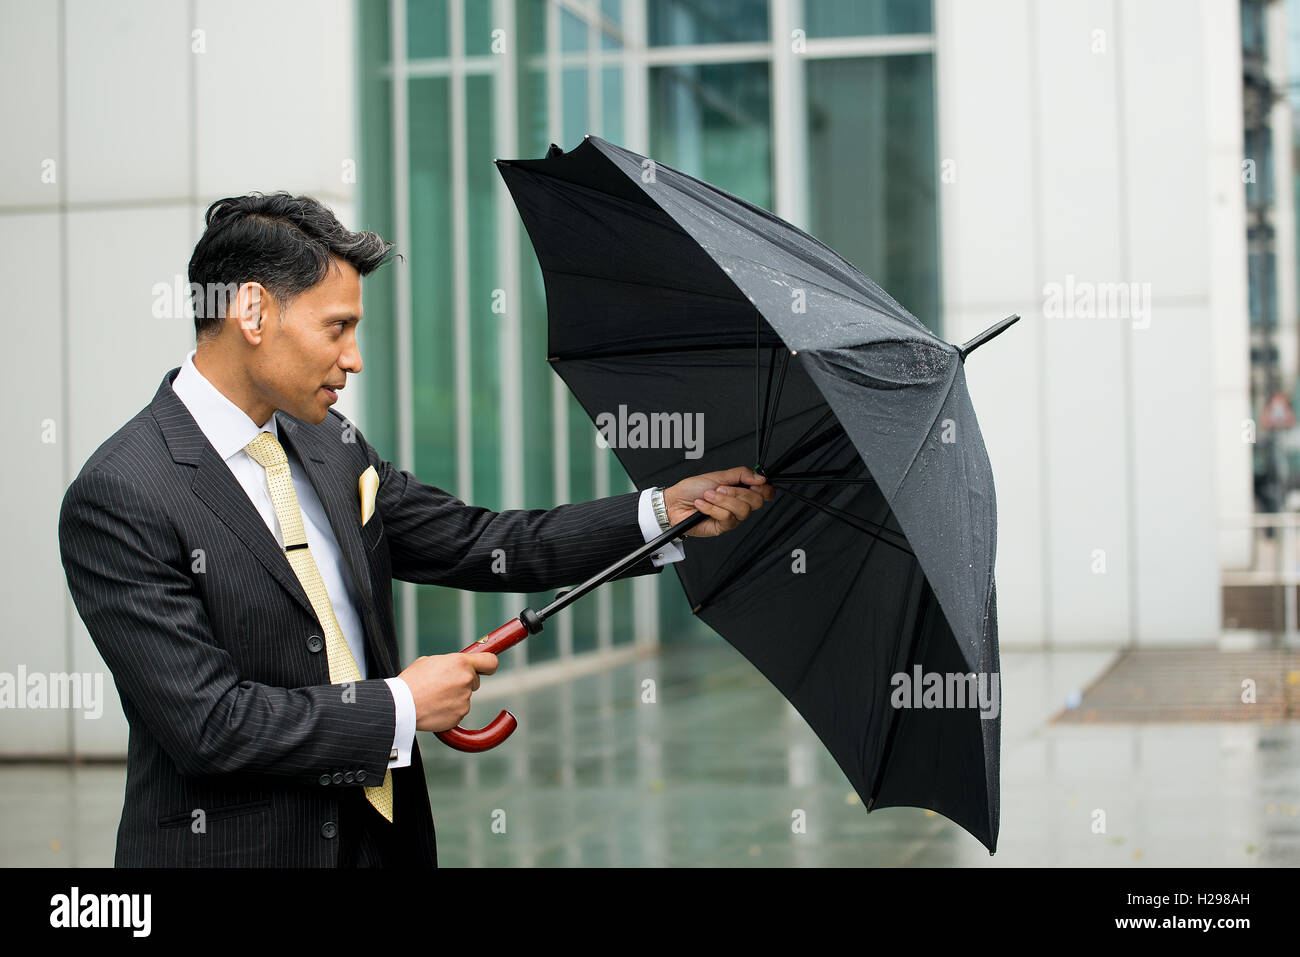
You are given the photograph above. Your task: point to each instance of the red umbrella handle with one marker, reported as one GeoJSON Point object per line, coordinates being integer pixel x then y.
{"type": "Point", "coordinates": [504, 724]}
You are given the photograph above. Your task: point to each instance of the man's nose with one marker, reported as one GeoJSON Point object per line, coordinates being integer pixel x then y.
{"type": "Point", "coordinates": [350, 360]}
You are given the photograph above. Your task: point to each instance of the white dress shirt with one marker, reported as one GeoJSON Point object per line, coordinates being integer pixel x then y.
{"type": "Point", "coordinates": [229, 429]}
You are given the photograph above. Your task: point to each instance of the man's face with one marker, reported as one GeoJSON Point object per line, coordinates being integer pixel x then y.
{"type": "Point", "coordinates": [311, 346]}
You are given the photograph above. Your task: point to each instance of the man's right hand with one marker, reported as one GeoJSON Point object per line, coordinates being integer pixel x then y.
{"type": "Point", "coordinates": [441, 686]}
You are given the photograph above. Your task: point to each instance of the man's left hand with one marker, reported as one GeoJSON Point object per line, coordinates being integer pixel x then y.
{"type": "Point", "coordinates": [727, 497]}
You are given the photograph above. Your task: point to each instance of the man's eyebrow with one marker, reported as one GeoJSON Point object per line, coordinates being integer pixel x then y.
{"type": "Point", "coordinates": [341, 317]}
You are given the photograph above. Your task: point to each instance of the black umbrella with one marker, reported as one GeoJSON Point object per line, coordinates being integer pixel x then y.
{"type": "Point", "coordinates": [679, 313]}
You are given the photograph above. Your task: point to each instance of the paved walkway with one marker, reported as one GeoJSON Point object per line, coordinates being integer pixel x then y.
{"type": "Point", "coordinates": [710, 773]}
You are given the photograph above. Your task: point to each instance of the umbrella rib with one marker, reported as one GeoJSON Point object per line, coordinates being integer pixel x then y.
{"type": "Point", "coordinates": [761, 418]}
{"type": "Point", "coordinates": [796, 452]}
{"type": "Point", "coordinates": [887, 751]}
{"type": "Point", "coordinates": [863, 525]}
{"type": "Point", "coordinates": [807, 432]}
{"type": "Point", "coordinates": [752, 553]}
{"type": "Point", "coordinates": [769, 415]}
{"type": "Point", "coordinates": [650, 351]}
{"type": "Point", "coordinates": [829, 473]}
{"type": "Point", "coordinates": [767, 398]}
{"type": "Point", "coordinates": [813, 480]}
{"type": "Point", "coordinates": [619, 281]}
{"type": "Point", "coordinates": [947, 392]}
{"type": "Point", "coordinates": [758, 361]}
{"type": "Point", "coordinates": [839, 610]}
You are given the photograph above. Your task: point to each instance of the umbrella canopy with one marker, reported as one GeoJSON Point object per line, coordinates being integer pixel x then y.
{"type": "Point", "coordinates": [701, 332]}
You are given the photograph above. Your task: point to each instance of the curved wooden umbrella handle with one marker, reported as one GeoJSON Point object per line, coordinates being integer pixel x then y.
{"type": "Point", "coordinates": [504, 724]}
{"type": "Point", "coordinates": [484, 739]}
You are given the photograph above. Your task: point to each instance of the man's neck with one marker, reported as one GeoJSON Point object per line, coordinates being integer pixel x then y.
{"type": "Point", "coordinates": [232, 383]}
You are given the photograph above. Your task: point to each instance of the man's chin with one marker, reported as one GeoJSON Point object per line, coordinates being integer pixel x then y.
{"type": "Point", "coordinates": [311, 414]}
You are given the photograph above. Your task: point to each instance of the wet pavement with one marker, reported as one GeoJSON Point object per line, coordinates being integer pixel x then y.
{"type": "Point", "coordinates": [709, 766]}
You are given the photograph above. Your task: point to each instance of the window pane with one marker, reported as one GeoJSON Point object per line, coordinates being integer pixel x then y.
{"type": "Point", "coordinates": [613, 19]}
{"type": "Point", "coordinates": [575, 125]}
{"type": "Point", "coordinates": [1259, 150]}
{"type": "Point", "coordinates": [431, 283]}
{"type": "Point", "coordinates": [611, 103]}
{"type": "Point", "coordinates": [532, 114]}
{"type": "Point", "coordinates": [680, 22]}
{"type": "Point", "coordinates": [573, 33]}
{"type": "Point", "coordinates": [484, 324]}
{"type": "Point", "coordinates": [372, 21]}
{"type": "Point", "coordinates": [713, 121]}
{"type": "Point", "coordinates": [375, 189]}
{"type": "Point", "coordinates": [530, 24]}
{"type": "Point", "coordinates": [835, 18]}
{"type": "Point", "coordinates": [871, 172]}
{"type": "Point", "coordinates": [431, 361]}
{"type": "Point", "coordinates": [478, 29]}
{"type": "Point", "coordinates": [426, 28]}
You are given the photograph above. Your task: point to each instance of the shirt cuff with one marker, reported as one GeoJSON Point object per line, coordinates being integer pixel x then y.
{"type": "Point", "coordinates": [404, 732]}
{"type": "Point", "coordinates": [671, 552]}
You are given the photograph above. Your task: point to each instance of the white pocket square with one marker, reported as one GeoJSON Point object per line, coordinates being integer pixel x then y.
{"type": "Point", "coordinates": [367, 486]}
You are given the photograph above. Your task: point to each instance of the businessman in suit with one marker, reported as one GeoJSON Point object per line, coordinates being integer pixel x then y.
{"type": "Point", "coordinates": [233, 560]}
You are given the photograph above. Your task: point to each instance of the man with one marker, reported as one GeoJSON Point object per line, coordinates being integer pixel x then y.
{"type": "Point", "coordinates": [233, 561]}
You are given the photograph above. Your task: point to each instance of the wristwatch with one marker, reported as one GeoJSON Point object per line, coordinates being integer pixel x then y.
{"type": "Point", "coordinates": [661, 510]}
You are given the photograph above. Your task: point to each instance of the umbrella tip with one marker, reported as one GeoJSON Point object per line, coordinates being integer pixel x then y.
{"type": "Point", "coordinates": [970, 346]}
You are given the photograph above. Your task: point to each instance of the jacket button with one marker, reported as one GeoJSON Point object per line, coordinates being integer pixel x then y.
{"type": "Point", "coordinates": [361, 776]}
{"type": "Point", "coordinates": [338, 777]}
{"type": "Point", "coordinates": [324, 779]}
{"type": "Point", "coordinates": [329, 830]}
{"type": "Point", "coordinates": [315, 644]}
{"type": "Point", "coordinates": [348, 777]}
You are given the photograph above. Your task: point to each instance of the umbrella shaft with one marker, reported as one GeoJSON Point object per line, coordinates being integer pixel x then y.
{"type": "Point", "coordinates": [624, 563]}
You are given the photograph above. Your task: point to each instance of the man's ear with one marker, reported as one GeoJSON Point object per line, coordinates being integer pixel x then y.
{"type": "Point", "coordinates": [250, 301]}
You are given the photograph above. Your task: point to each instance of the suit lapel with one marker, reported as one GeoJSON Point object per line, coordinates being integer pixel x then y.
{"type": "Point", "coordinates": [218, 488]}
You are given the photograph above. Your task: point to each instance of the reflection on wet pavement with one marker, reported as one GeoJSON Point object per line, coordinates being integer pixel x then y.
{"type": "Point", "coordinates": [689, 758]}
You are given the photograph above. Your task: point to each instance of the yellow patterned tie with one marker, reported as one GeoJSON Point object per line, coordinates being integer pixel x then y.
{"type": "Point", "coordinates": [268, 453]}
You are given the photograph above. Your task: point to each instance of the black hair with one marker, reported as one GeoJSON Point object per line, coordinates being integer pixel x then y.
{"type": "Point", "coordinates": [283, 242]}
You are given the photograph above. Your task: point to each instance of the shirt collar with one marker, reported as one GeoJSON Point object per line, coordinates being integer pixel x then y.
{"type": "Point", "coordinates": [225, 424]}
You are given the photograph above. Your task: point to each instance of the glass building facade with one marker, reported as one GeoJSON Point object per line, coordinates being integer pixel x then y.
{"type": "Point", "coordinates": [821, 111]}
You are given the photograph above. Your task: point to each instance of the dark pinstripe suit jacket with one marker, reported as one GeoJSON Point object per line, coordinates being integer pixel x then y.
{"type": "Point", "coordinates": [215, 649]}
